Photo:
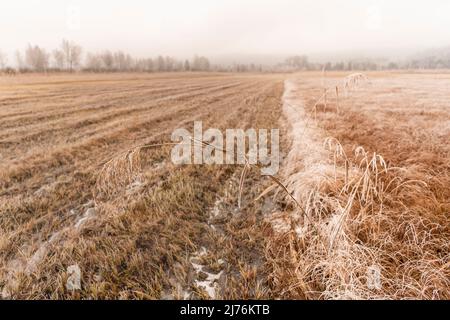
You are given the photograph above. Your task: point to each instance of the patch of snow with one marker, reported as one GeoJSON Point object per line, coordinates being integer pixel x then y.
{"type": "Point", "coordinates": [301, 231]}
{"type": "Point", "coordinates": [209, 284]}
{"type": "Point", "coordinates": [74, 280]}
{"type": "Point", "coordinates": [89, 214]}
{"type": "Point", "coordinates": [215, 212]}
{"type": "Point", "coordinates": [159, 165]}
{"type": "Point", "coordinates": [279, 222]}
{"type": "Point", "coordinates": [29, 266]}
{"type": "Point", "coordinates": [307, 163]}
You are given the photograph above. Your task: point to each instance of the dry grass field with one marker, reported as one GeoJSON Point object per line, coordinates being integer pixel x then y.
{"type": "Point", "coordinates": [369, 169]}
{"type": "Point", "coordinates": [58, 132]}
{"type": "Point", "coordinates": [372, 168]}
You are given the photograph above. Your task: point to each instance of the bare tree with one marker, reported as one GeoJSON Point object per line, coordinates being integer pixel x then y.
{"type": "Point", "coordinates": [72, 54]}
{"type": "Point", "coordinates": [19, 60]}
{"type": "Point", "coordinates": [58, 57]}
{"type": "Point", "coordinates": [93, 62]}
{"type": "Point", "coordinates": [3, 60]}
{"type": "Point", "coordinates": [178, 66]}
{"type": "Point", "coordinates": [119, 61]}
{"type": "Point", "coordinates": [36, 58]}
{"type": "Point", "coordinates": [130, 63]}
{"type": "Point", "coordinates": [122, 62]}
{"type": "Point", "coordinates": [150, 66]}
{"type": "Point", "coordinates": [160, 64]}
{"type": "Point", "coordinates": [200, 64]}
{"type": "Point", "coordinates": [145, 65]}
{"type": "Point", "coordinates": [298, 62]}
{"type": "Point", "coordinates": [187, 66]}
{"type": "Point", "coordinates": [107, 59]}
{"type": "Point", "coordinates": [169, 64]}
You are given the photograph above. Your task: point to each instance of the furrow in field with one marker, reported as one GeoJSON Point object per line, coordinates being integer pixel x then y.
{"type": "Point", "coordinates": [29, 149]}
{"type": "Point", "coordinates": [70, 152]}
{"type": "Point", "coordinates": [204, 113]}
{"type": "Point", "coordinates": [56, 109]}
{"type": "Point", "coordinates": [78, 120]}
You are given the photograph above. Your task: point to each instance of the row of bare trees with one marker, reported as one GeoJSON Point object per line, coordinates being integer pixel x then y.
{"type": "Point", "coordinates": [119, 61]}
{"type": "Point", "coordinates": [35, 58]}
{"type": "Point", "coordinates": [69, 57]}
{"type": "Point", "coordinates": [432, 60]}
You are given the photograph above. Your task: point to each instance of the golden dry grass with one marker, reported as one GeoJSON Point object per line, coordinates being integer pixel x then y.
{"type": "Point", "coordinates": [368, 169]}
{"type": "Point", "coordinates": [56, 133]}
{"type": "Point", "coordinates": [375, 195]}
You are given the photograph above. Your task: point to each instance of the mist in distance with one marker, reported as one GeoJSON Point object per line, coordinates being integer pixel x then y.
{"type": "Point", "coordinates": [260, 31]}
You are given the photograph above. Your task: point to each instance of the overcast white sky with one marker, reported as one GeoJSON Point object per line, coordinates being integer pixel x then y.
{"type": "Point", "coordinates": [214, 27]}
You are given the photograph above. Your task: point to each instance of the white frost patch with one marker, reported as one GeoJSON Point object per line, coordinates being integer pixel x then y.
{"type": "Point", "coordinates": [74, 280]}
{"type": "Point", "coordinates": [301, 231]}
{"type": "Point", "coordinates": [29, 266]}
{"type": "Point", "coordinates": [209, 284]}
{"type": "Point", "coordinates": [215, 212]}
{"type": "Point", "coordinates": [307, 164]}
{"type": "Point", "coordinates": [135, 186]}
{"type": "Point", "coordinates": [160, 165]}
{"type": "Point", "coordinates": [89, 214]}
{"type": "Point", "coordinates": [279, 222]}
{"type": "Point", "coordinates": [21, 265]}
{"type": "Point", "coordinates": [40, 253]}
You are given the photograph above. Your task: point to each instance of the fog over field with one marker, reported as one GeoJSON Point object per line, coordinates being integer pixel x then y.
{"type": "Point", "coordinates": [224, 149]}
{"type": "Point", "coordinates": [229, 28]}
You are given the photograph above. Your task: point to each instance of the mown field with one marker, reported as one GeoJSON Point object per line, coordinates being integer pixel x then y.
{"type": "Point", "coordinates": [163, 231]}
{"type": "Point", "coordinates": [56, 133]}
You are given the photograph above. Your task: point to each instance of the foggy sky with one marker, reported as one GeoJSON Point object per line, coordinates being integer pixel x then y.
{"type": "Point", "coordinates": [215, 27]}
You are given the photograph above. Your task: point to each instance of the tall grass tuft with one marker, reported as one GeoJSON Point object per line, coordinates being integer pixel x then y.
{"type": "Point", "coordinates": [369, 217]}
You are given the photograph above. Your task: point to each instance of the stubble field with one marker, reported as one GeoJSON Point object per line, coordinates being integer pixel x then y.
{"type": "Point", "coordinates": [166, 231]}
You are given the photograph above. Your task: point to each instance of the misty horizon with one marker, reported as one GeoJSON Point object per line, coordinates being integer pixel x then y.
{"type": "Point", "coordinates": [231, 30]}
